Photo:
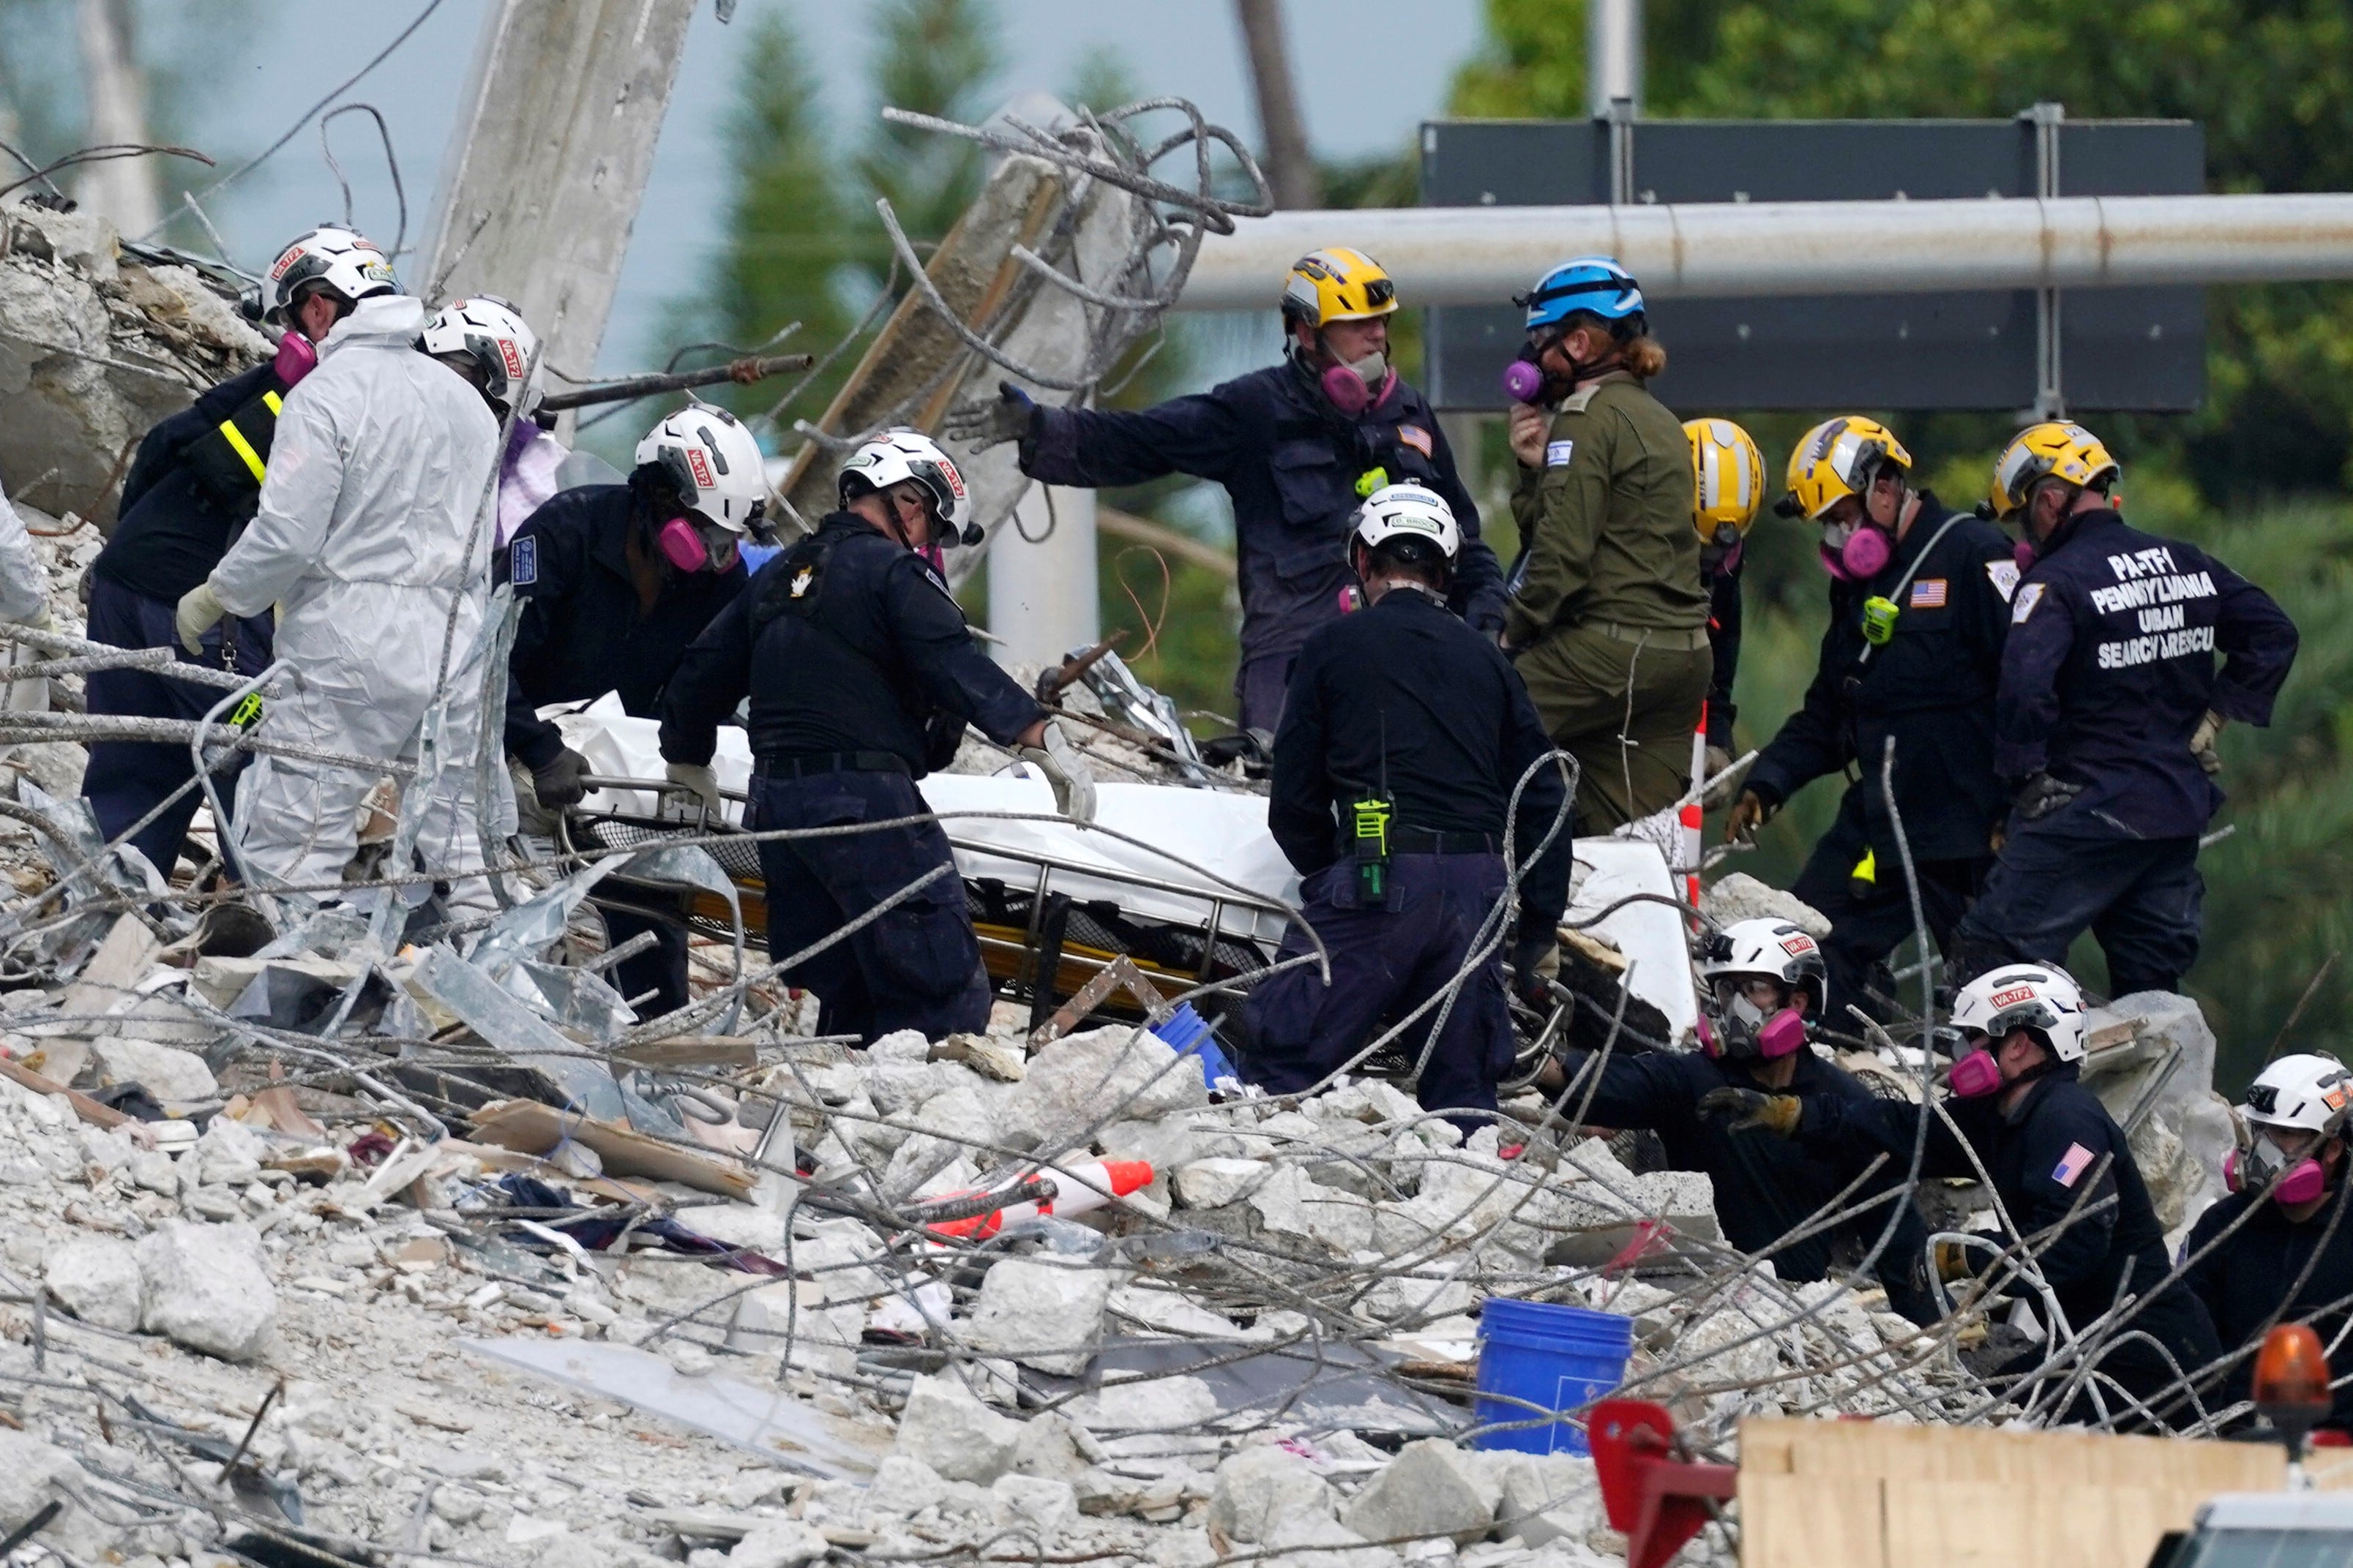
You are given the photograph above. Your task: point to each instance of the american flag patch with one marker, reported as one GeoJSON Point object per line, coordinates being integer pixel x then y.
{"type": "Point", "coordinates": [2071, 1165]}
{"type": "Point", "coordinates": [1928, 593]}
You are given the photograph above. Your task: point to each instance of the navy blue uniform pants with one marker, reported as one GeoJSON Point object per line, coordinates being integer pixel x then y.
{"type": "Point", "coordinates": [1387, 960]}
{"type": "Point", "coordinates": [2142, 898]}
{"type": "Point", "coordinates": [1870, 922]}
{"type": "Point", "coordinates": [1261, 684]}
{"type": "Point", "coordinates": [916, 966]}
{"type": "Point", "coordinates": [125, 780]}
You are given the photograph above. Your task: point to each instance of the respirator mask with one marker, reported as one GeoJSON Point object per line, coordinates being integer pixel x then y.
{"type": "Point", "coordinates": [2301, 1177]}
{"type": "Point", "coordinates": [1739, 1026]}
{"type": "Point", "coordinates": [693, 546]}
{"type": "Point", "coordinates": [1353, 388]}
{"type": "Point", "coordinates": [1855, 551]}
{"type": "Point", "coordinates": [297, 356]}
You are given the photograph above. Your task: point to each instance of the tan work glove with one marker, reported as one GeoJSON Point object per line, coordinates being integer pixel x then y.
{"type": "Point", "coordinates": [697, 777]}
{"type": "Point", "coordinates": [199, 612]}
{"type": "Point", "coordinates": [1744, 1108]}
{"type": "Point", "coordinates": [2202, 739]}
{"type": "Point", "coordinates": [1073, 784]}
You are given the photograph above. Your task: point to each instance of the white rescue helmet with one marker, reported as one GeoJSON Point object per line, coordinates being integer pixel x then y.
{"type": "Point", "coordinates": [2042, 997]}
{"type": "Point", "coordinates": [713, 461]}
{"type": "Point", "coordinates": [1405, 514]}
{"type": "Point", "coordinates": [351, 264]}
{"type": "Point", "coordinates": [492, 334]}
{"type": "Point", "coordinates": [1763, 948]}
{"type": "Point", "coordinates": [2305, 1093]}
{"type": "Point", "coordinates": [898, 456]}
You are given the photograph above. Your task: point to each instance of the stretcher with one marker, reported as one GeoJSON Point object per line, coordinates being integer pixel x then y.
{"type": "Point", "coordinates": [1185, 882]}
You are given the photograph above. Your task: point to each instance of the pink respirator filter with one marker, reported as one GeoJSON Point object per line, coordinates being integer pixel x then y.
{"type": "Point", "coordinates": [1974, 1076]}
{"type": "Point", "coordinates": [1862, 557]}
{"type": "Point", "coordinates": [681, 546]}
{"type": "Point", "coordinates": [297, 357]}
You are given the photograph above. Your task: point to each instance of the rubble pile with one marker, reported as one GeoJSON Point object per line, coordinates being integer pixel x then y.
{"type": "Point", "coordinates": [96, 345]}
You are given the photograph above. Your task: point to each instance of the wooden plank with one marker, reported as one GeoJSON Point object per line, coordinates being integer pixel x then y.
{"type": "Point", "coordinates": [1960, 1524]}
{"type": "Point", "coordinates": [86, 1107]}
{"type": "Point", "coordinates": [531, 1128]}
{"type": "Point", "coordinates": [693, 1051]}
{"type": "Point", "coordinates": [1792, 1521]}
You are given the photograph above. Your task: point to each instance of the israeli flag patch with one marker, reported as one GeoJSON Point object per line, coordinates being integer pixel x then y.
{"type": "Point", "coordinates": [523, 562]}
{"type": "Point", "coordinates": [1558, 453]}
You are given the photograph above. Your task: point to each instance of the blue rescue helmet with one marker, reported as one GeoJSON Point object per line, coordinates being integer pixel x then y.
{"type": "Point", "coordinates": [1593, 283]}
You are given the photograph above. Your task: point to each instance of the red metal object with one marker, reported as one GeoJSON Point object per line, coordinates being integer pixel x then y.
{"type": "Point", "coordinates": [1652, 1238]}
{"type": "Point", "coordinates": [1658, 1500]}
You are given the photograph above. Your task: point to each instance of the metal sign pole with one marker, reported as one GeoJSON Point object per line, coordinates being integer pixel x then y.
{"type": "Point", "coordinates": [2050, 388]}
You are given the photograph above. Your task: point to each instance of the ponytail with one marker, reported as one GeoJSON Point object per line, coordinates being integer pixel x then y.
{"type": "Point", "coordinates": [1644, 358]}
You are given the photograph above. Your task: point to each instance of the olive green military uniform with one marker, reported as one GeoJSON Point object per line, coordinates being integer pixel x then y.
{"type": "Point", "coordinates": [1609, 611]}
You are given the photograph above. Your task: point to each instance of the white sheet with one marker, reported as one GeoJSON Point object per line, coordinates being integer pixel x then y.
{"type": "Point", "coordinates": [1222, 835]}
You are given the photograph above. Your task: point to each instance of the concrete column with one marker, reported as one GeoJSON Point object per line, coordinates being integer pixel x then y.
{"type": "Point", "coordinates": [1041, 598]}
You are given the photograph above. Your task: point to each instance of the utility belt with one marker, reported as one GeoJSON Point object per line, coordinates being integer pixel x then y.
{"type": "Point", "coordinates": [1687, 639]}
{"type": "Point", "coordinates": [807, 764]}
{"type": "Point", "coordinates": [1405, 840]}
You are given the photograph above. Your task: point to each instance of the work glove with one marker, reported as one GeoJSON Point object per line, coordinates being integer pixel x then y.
{"type": "Point", "coordinates": [697, 777]}
{"type": "Point", "coordinates": [558, 783]}
{"type": "Point", "coordinates": [2042, 794]}
{"type": "Point", "coordinates": [1066, 771]}
{"type": "Point", "coordinates": [199, 612]}
{"type": "Point", "coordinates": [1749, 813]}
{"type": "Point", "coordinates": [980, 426]}
{"type": "Point", "coordinates": [1717, 761]}
{"type": "Point", "coordinates": [1536, 965]}
{"type": "Point", "coordinates": [1953, 1262]}
{"type": "Point", "coordinates": [1746, 1108]}
{"type": "Point", "coordinates": [2202, 739]}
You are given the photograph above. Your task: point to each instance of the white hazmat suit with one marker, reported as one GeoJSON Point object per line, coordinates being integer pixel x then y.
{"type": "Point", "coordinates": [380, 462]}
{"type": "Point", "coordinates": [24, 581]}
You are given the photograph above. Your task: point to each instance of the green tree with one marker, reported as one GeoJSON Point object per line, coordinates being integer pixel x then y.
{"type": "Point", "coordinates": [938, 57]}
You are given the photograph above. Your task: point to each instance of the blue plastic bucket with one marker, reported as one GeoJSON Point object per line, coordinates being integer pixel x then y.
{"type": "Point", "coordinates": [1186, 1031]}
{"type": "Point", "coordinates": [1552, 1357]}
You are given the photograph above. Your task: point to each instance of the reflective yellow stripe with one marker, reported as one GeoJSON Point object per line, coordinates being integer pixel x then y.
{"type": "Point", "coordinates": [275, 404]}
{"type": "Point", "coordinates": [243, 449]}
{"type": "Point", "coordinates": [1867, 869]}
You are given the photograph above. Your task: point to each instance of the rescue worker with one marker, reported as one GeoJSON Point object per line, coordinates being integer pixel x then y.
{"type": "Point", "coordinates": [616, 581]}
{"type": "Point", "coordinates": [2056, 1156]}
{"type": "Point", "coordinates": [192, 489]}
{"type": "Point", "coordinates": [368, 536]}
{"type": "Point", "coordinates": [1919, 601]}
{"type": "Point", "coordinates": [1764, 986]}
{"type": "Point", "coordinates": [1403, 738]}
{"type": "Point", "coordinates": [2109, 705]}
{"type": "Point", "coordinates": [1728, 492]}
{"type": "Point", "coordinates": [1297, 446]}
{"type": "Point", "coordinates": [2280, 1247]}
{"type": "Point", "coordinates": [1607, 619]}
{"type": "Point", "coordinates": [862, 676]}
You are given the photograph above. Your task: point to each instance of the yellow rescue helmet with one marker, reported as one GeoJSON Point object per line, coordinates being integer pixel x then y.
{"type": "Point", "coordinates": [1337, 285]}
{"type": "Point", "coordinates": [1728, 479]}
{"type": "Point", "coordinates": [2053, 449]}
{"type": "Point", "coordinates": [1835, 459]}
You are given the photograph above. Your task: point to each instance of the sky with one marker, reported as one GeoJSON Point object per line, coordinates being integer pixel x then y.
{"type": "Point", "coordinates": [1369, 70]}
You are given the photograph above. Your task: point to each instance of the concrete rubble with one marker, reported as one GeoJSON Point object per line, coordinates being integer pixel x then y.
{"type": "Point", "coordinates": [426, 1249]}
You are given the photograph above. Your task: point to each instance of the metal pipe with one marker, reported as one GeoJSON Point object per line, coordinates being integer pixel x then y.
{"type": "Point", "coordinates": [1613, 55]}
{"type": "Point", "coordinates": [1482, 256]}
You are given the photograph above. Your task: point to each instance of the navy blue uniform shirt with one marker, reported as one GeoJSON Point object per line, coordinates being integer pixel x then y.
{"type": "Point", "coordinates": [876, 646]}
{"type": "Point", "coordinates": [177, 517]}
{"type": "Point", "coordinates": [1291, 462]}
{"type": "Point", "coordinates": [2110, 665]}
{"type": "Point", "coordinates": [1402, 698]}
{"type": "Point", "coordinates": [2045, 1160]}
{"type": "Point", "coordinates": [1931, 687]}
{"type": "Point", "coordinates": [582, 633]}
{"type": "Point", "coordinates": [2275, 1270]}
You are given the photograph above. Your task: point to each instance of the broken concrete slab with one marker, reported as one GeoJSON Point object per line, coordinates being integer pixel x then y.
{"type": "Point", "coordinates": [204, 1287]}
{"type": "Point", "coordinates": [1044, 1313]}
{"type": "Point", "coordinates": [96, 1279]}
{"type": "Point", "coordinates": [946, 1428]}
{"type": "Point", "coordinates": [172, 1076]}
{"type": "Point", "coordinates": [1260, 1487]}
{"type": "Point", "coordinates": [1432, 1488]}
